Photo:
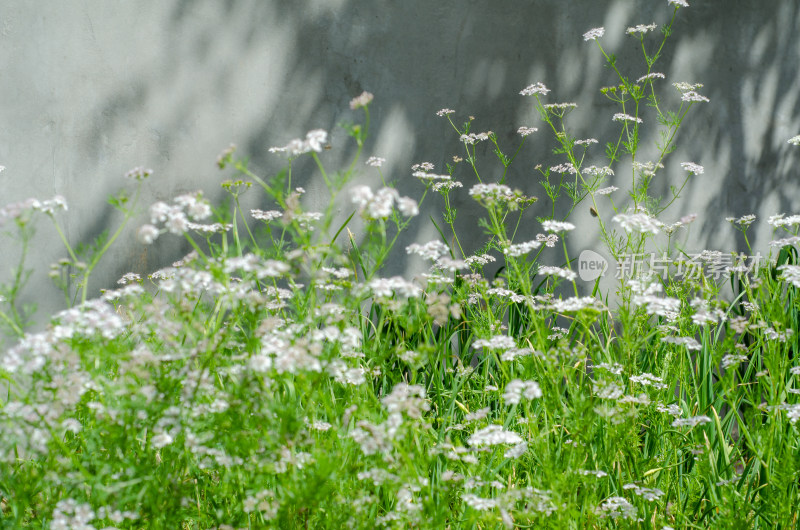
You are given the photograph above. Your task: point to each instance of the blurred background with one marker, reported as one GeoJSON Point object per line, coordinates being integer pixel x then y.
{"type": "Point", "coordinates": [93, 88]}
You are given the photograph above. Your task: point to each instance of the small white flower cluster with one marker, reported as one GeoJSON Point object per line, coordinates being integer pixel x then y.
{"type": "Point", "coordinates": [536, 88]}
{"type": "Point", "coordinates": [648, 494]}
{"type": "Point", "coordinates": [493, 193]}
{"type": "Point", "coordinates": [648, 379]}
{"type": "Point", "coordinates": [595, 171]}
{"type": "Point", "coordinates": [594, 34]}
{"type": "Point", "coordinates": [472, 138]}
{"type": "Point", "coordinates": [564, 168]}
{"type": "Point", "coordinates": [525, 131]}
{"type": "Point", "coordinates": [703, 314]}
{"type": "Point", "coordinates": [616, 507]}
{"type": "Point", "coordinates": [444, 112]}
{"type": "Point", "coordinates": [678, 3]}
{"type": "Point", "coordinates": [638, 222]}
{"type": "Point", "coordinates": [560, 108]}
{"type": "Point", "coordinates": [18, 209]}
{"type": "Point", "coordinates": [683, 221]}
{"type": "Point", "coordinates": [432, 250]}
{"type": "Point", "coordinates": [567, 274]}
{"type": "Point", "coordinates": [267, 216]}
{"type": "Point", "coordinates": [651, 75]}
{"type": "Point", "coordinates": [362, 100]}
{"type": "Point", "coordinates": [408, 399]}
{"type": "Point", "coordinates": [375, 161]}
{"type": "Point", "coordinates": [497, 342]}
{"type": "Point", "coordinates": [606, 191]}
{"type": "Point", "coordinates": [689, 92]}
{"type": "Point", "coordinates": [176, 217]}
{"type": "Point", "coordinates": [379, 205]}
{"type": "Point", "coordinates": [619, 116]}
{"type": "Point", "coordinates": [641, 29]}
{"type": "Point", "coordinates": [521, 249]}
{"type": "Point", "coordinates": [493, 435]}
{"type": "Point", "coordinates": [396, 285]}
{"type": "Point", "coordinates": [691, 422]}
{"type": "Point", "coordinates": [691, 167]}
{"type": "Point", "coordinates": [69, 515]}
{"type": "Point", "coordinates": [655, 305]}
{"type": "Point", "coordinates": [779, 220]}
{"type": "Point", "coordinates": [794, 140]}
{"type": "Point", "coordinates": [690, 342]}
{"type": "Point", "coordinates": [744, 221]}
{"type": "Point", "coordinates": [518, 389]}
{"type": "Point", "coordinates": [557, 226]}
{"type": "Point", "coordinates": [315, 140]}
{"type": "Point", "coordinates": [732, 360]}
{"type": "Point", "coordinates": [138, 173]}
{"type": "Point", "coordinates": [791, 274]}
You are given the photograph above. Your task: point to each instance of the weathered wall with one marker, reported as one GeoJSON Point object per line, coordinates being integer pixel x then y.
{"type": "Point", "coordinates": [92, 88]}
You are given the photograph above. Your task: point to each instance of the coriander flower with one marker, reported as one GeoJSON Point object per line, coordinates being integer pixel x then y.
{"type": "Point", "coordinates": [625, 117]}
{"type": "Point", "coordinates": [493, 435]}
{"type": "Point", "coordinates": [536, 88]}
{"type": "Point", "coordinates": [607, 191]}
{"type": "Point", "coordinates": [693, 96]}
{"type": "Point", "coordinates": [557, 226]}
{"type": "Point", "coordinates": [681, 3]}
{"type": "Point", "coordinates": [641, 29]}
{"type": "Point", "coordinates": [691, 167]}
{"type": "Point", "coordinates": [648, 77]}
{"type": "Point", "coordinates": [375, 161]}
{"type": "Point", "coordinates": [444, 112]}
{"type": "Point", "coordinates": [557, 271]}
{"type": "Point", "coordinates": [521, 249]}
{"type": "Point", "coordinates": [638, 222]}
{"type": "Point", "coordinates": [147, 234]}
{"type": "Point", "coordinates": [362, 100]}
{"type": "Point", "coordinates": [594, 34]}
{"type": "Point", "coordinates": [794, 140]}
{"type": "Point", "coordinates": [138, 173]}
{"type": "Point", "coordinates": [691, 422]}
{"type": "Point", "coordinates": [525, 131]}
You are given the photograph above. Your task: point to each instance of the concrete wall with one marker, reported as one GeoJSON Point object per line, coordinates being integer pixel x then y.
{"type": "Point", "coordinates": [93, 88]}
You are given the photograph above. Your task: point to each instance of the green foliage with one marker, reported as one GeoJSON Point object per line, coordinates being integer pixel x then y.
{"type": "Point", "coordinates": [274, 378]}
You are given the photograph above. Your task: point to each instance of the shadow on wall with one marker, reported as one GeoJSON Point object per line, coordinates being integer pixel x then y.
{"type": "Point", "coordinates": [261, 73]}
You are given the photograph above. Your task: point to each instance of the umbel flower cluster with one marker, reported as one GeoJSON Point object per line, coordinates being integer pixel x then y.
{"type": "Point", "coordinates": [277, 377]}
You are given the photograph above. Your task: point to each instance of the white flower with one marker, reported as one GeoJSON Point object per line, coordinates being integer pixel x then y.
{"type": "Point", "coordinates": [691, 167]}
{"type": "Point", "coordinates": [557, 226]}
{"type": "Point", "coordinates": [147, 234]}
{"type": "Point", "coordinates": [677, 3]}
{"type": "Point", "coordinates": [362, 100]}
{"type": "Point", "coordinates": [638, 222]}
{"type": "Point", "coordinates": [641, 28]}
{"type": "Point", "coordinates": [522, 248]}
{"type": "Point", "coordinates": [375, 161]}
{"type": "Point", "coordinates": [315, 140]}
{"type": "Point", "coordinates": [594, 34]}
{"type": "Point", "coordinates": [536, 88]}
{"type": "Point", "coordinates": [691, 422]}
{"type": "Point", "coordinates": [444, 112]}
{"type": "Point", "coordinates": [557, 271]}
{"type": "Point", "coordinates": [651, 75]}
{"type": "Point", "coordinates": [525, 131]}
{"type": "Point", "coordinates": [607, 191]}
{"type": "Point", "coordinates": [161, 440]}
{"type": "Point", "coordinates": [619, 116]}
{"type": "Point", "coordinates": [407, 206]}
{"type": "Point", "coordinates": [794, 140]}
{"type": "Point", "coordinates": [493, 435]}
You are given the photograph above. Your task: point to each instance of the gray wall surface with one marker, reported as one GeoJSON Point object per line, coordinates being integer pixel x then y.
{"type": "Point", "coordinates": [93, 88]}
